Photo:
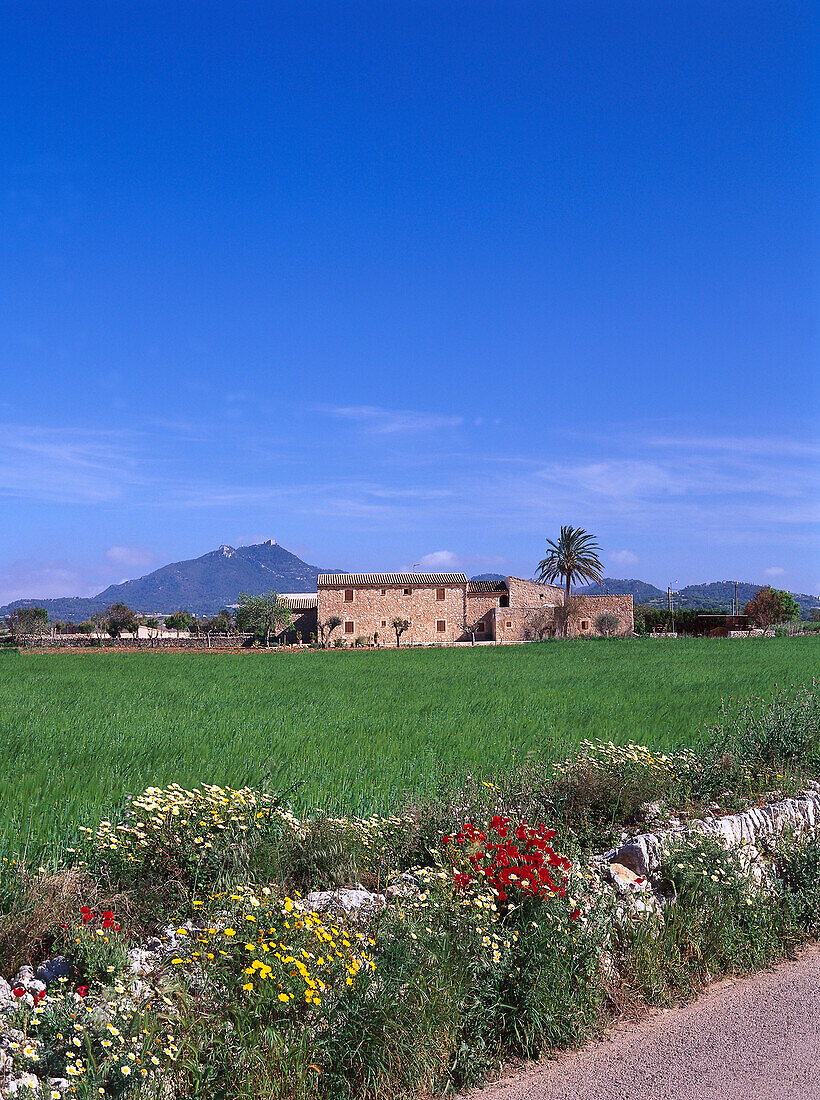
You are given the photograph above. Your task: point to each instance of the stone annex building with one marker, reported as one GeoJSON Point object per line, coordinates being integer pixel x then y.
{"type": "Point", "coordinates": [444, 608]}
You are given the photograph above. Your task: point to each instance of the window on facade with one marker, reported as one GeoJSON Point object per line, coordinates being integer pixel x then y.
{"type": "Point", "coordinates": [504, 601]}
{"type": "Point", "coordinates": [384, 622]}
{"type": "Point", "coordinates": [584, 624]}
{"type": "Point", "coordinates": [481, 628]}
{"type": "Point", "coordinates": [348, 595]}
{"type": "Point", "coordinates": [408, 591]}
{"type": "Point", "coordinates": [509, 623]}
{"type": "Point", "coordinates": [439, 593]}
{"type": "Point", "coordinates": [348, 627]}
{"type": "Point", "coordinates": [441, 625]}
{"type": "Point", "coordinates": [384, 593]}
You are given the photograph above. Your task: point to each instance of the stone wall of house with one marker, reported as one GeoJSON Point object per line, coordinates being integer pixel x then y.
{"type": "Point", "coordinates": [531, 594]}
{"type": "Point", "coordinates": [373, 607]}
{"type": "Point", "coordinates": [516, 624]}
{"type": "Point", "coordinates": [585, 609]}
{"type": "Point", "coordinates": [480, 615]}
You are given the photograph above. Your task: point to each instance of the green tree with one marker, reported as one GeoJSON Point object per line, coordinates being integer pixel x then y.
{"type": "Point", "coordinates": [573, 558]}
{"type": "Point", "coordinates": [263, 615]}
{"type": "Point", "coordinates": [326, 628]}
{"type": "Point", "coordinates": [607, 623]}
{"type": "Point", "coordinates": [219, 624]}
{"type": "Point", "coordinates": [771, 605]}
{"type": "Point", "coordinates": [120, 619]}
{"type": "Point", "coordinates": [28, 622]}
{"type": "Point", "coordinates": [180, 620]}
{"type": "Point", "coordinates": [399, 626]}
{"type": "Point", "coordinates": [86, 627]}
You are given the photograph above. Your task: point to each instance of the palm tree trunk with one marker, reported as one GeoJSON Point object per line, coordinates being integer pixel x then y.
{"type": "Point", "coordinates": [566, 606]}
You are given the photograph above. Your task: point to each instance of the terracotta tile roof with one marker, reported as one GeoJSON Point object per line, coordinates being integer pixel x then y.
{"type": "Point", "coordinates": [409, 579]}
{"type": "Point", "coordinates": [486, 586]}
{"type": "Point", "coordinates": [300, 601]}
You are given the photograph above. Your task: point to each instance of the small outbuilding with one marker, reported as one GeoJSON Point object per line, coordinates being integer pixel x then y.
{"type": "Point", "coordinates": [720, 626]}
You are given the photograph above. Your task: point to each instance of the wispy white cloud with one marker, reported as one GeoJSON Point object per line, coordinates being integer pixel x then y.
{"type": "Point", "coordinates": [740, 445]}
{"type": "Point", "coordinates": [379, 421]}
{"type": "Point", "coordinates": [64, 465]}
{"type": "Point", "coordinates": [32, 579]}
{"type": "Point", "coordinates": [137, 557]}
{"type": "Point", "coordinates": [774, 571]}
{"type": "Point", "coordinates": [619, 479]}
{"type": "Point", "coordinates": [623, 557]}
{"type": "Point", "coordinates": [442, 561]}
{"type": "Point", "coordinates": [448, 561]}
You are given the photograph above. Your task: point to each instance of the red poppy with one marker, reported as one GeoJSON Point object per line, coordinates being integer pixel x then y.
{"type": "Point", "coordinates": [18, 991]}
{"type": "Point", "coordinates": [82, 990]}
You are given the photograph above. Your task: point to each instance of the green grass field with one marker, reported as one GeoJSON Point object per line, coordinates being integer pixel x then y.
{"type": "Point", "coordinates": [354, 730]}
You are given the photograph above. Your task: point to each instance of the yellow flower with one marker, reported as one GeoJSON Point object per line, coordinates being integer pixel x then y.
{"type": "Point", "coordinates": [284, 997]}
{"type": "Point", "coordinates": [230, 932]}
{"type": "Point", "coordinates": [248, 986]}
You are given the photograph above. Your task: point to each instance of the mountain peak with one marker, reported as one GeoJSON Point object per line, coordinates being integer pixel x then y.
{"type": "Point", "coordinates": [202, 585]}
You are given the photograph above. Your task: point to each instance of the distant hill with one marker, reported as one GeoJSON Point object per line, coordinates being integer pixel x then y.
{"type": "Point", "coordinates": [716, 595]}
{"type": "Point", "coordinates": [639, 590]}
{"type": "Point", "coordinates": [202, 585]}
{"type": "Point", "coordinates": [207, 584]}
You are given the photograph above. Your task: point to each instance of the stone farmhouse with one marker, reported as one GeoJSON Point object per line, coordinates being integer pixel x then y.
{"type": "Point", "coordinates": [445, 608]}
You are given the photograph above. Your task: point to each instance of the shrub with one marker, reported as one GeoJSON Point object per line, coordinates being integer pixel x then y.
{"type": "Point", "coordinates": [324, 852]}
{"type": "Point", "coordinates": [604, 785]}
{"type": "Point", "coordinates": [607, 624]}
{"type": "Point", "coordinates": [721, 922]}
{"type": "Point", "coordinates": [177, 841]}
{"type": "Point", "coordinates": [798, 881]}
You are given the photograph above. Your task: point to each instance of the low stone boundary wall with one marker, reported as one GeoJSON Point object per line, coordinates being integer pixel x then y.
{"type": "Point", "coordinates": [88, 641]}
{"type": "Point", "coordinates": [643, 855]}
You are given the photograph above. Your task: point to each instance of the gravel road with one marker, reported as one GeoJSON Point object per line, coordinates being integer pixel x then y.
{"type": "Point", "coordinates": [752, 1038]}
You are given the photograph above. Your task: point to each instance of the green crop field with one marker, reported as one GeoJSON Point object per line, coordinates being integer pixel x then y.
{"type": "Point", "coordinates": [349, 730]}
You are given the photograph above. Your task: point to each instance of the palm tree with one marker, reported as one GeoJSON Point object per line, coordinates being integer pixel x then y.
{"type": "Point", "coordinates": [574, 557]}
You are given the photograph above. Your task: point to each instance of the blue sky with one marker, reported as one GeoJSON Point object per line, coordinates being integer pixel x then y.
{"type": "Point", "coordinates": [409, 283]}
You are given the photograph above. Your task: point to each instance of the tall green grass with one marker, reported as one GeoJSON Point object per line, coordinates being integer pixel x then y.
{"type": "Point", "coordinates": [350, 731]}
